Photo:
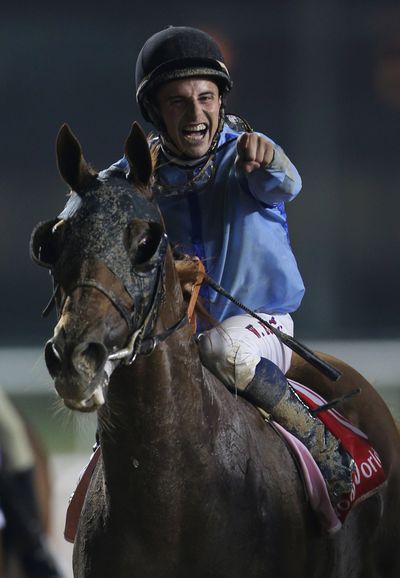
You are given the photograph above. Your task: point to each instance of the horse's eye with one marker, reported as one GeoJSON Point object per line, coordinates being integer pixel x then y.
{"type": "Point", "coordinates": [146, 248]}
{"type": "Point", "coordinates": [142, 241]}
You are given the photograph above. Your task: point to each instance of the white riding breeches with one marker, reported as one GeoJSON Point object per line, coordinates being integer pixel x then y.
{"type": "Point", "coordinates": [233, 349]}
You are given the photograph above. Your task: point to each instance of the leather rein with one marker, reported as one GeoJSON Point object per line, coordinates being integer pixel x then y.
{"type": "Point", "coordinates": [139, 341]}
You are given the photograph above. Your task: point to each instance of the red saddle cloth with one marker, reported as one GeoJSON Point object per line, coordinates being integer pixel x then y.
{"type": "Point", "coordinates": [368, 475]}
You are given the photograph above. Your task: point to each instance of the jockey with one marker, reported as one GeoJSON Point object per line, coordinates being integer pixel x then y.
{"type": "Point", "coordinates": [222, 190]}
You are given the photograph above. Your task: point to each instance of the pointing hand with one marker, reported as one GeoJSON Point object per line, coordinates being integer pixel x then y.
{"type": "Point", "coordinates": [253, 151]}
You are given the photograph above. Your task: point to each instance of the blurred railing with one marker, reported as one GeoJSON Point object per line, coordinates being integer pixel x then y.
{"type": "Point", "coordinates": [22, 370]}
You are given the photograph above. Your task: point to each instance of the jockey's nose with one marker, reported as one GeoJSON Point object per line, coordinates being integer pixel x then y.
{"type": "Point", "coordinates": [193, 109]}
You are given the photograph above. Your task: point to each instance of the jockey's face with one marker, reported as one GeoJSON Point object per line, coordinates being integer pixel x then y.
{"type": "Point", "coordinates": [190, 109]}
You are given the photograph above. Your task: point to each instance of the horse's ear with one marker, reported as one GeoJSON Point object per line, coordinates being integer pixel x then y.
{"type": "Point", "coordinates": [71, 163]}
{"type": "Point", "coordinates": [137, 153]}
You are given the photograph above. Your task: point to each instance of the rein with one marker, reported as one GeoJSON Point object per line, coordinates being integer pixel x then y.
{"type": "Point", "coordinates": [139, 343]}
{"type": "Point", "coordinates": [145, 346]}
{"type": "Point", "coordinates": [307, 354]}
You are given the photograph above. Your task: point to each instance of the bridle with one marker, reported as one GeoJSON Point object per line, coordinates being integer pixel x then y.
{"type": "Point", "coordinates": [139, 341]}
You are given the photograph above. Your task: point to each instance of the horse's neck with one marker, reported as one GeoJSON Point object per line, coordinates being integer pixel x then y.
{"type": "Point", "coordinates": [161, 400]}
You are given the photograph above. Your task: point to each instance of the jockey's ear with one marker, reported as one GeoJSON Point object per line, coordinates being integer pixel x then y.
{"type": "Point", "coordinates": [71, 163]}
{"type": "Point", "coordinates": [137, 153]}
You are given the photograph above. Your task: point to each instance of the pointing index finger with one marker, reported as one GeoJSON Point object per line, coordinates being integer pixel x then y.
{"type": "Point", "coordinates": [242, 145]}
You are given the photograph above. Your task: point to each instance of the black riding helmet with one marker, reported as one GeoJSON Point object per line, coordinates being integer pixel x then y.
{"type": "Point", "coordinates": [173, 53]}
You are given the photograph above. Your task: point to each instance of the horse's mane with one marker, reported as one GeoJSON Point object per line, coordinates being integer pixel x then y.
{"type": "Point", "coordinates": [154, 146]}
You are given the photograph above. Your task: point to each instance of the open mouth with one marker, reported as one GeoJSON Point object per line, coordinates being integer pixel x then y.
{"type": "Point", "coordinates": [195, 133]}
{"type": "Point", "coordinates": [97, 398]}
{"type": "Point", "coordinates": [87, 405]}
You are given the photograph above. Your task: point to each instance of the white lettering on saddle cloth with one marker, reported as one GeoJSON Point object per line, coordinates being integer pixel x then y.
{"type": "Point", "coordinates": [367, 471]}
{"type": "Point", "coordinates": [368, 474]}
{"type": "Point", "coordinates": [368, 468]}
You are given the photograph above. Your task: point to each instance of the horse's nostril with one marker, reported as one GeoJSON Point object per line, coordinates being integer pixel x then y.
{"type": "Point", "coordinates": [53, 358]}
{"type": "Point", "coordinates": [89, 358]}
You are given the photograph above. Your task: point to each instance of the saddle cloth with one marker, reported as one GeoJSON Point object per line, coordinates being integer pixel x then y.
{"type": "Point", "coordinates": [368, 475]}
{"type": "Point", "coordinates": [77, 499]}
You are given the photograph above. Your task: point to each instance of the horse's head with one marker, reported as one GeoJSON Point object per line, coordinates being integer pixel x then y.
{"type": "Point", "coordinates": [107, 260]}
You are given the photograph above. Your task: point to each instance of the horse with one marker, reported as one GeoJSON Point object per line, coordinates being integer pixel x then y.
{"type": "Point", "coordinates": [192, 480]}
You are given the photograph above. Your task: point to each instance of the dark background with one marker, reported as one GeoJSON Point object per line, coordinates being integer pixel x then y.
{"type": "Point", "coordinates": [322, 78]}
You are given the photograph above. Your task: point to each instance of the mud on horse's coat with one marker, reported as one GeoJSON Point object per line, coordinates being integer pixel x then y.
{"type": "Point", "coordinates": [192, 481]}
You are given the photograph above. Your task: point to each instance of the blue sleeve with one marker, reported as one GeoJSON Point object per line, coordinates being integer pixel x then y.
{"type": "Point", "coordinates": [121, 165]}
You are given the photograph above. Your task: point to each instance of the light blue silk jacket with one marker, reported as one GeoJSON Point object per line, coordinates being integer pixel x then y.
{"type": "Point", "coordinates": [236, 223]}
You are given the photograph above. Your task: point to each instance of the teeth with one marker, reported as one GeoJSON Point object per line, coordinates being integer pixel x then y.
{"type": "Point", "coordinates": [93, 402]}
{"type": "Point", "coordinates": [108, 369]}
{"type": "Point", "coordinates": [98, 396]}
{"type": "Point", "coordinates": [196, 127]}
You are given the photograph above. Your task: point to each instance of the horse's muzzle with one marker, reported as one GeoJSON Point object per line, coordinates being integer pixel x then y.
{"type": "Point", "coordinates": [77, 370]}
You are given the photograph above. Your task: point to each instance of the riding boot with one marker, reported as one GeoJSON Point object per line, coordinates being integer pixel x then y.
{"type": "Point", "coordinates": [270, 390]}
{"type": "Point", "coordinates": [23, 527]}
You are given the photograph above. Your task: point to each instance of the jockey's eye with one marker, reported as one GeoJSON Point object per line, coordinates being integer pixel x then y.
{"type": "Point", "coordinates": [141, 241]}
